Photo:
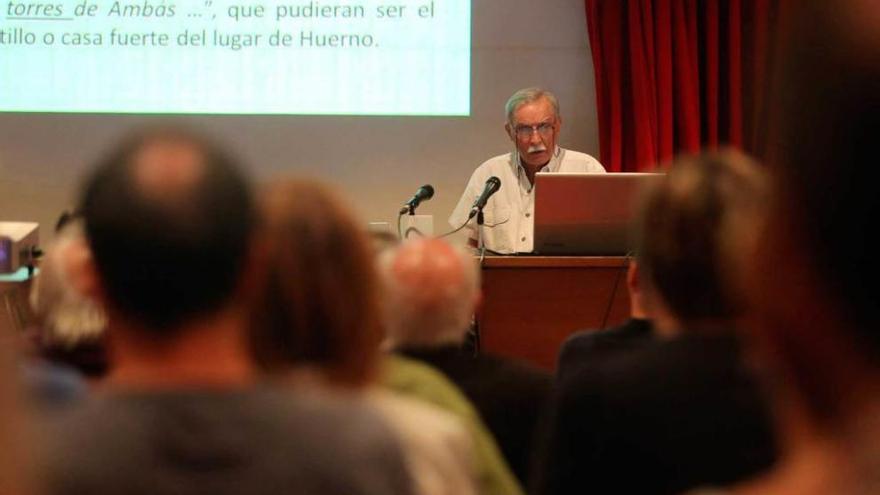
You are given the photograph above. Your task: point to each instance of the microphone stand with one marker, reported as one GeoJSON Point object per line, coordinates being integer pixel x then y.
{"type": "Point", "coordinates": [409, 210]}
{"type": "Point", "coordinates": [481, 247]}
{"type": "Point", "coordinates": [481, 243]}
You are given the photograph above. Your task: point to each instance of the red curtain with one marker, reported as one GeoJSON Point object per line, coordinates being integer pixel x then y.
{"type": "Point", "coordinates": [679, 76]}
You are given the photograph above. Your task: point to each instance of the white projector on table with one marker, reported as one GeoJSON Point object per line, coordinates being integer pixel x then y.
{"type": "Point", "coordinates": [19, 245]}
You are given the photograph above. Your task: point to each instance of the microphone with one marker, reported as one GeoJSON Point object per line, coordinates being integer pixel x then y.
{"type": "Point", "coordinates": [424, 193]}
{"type": "Point", "coordinates": [493, 184]}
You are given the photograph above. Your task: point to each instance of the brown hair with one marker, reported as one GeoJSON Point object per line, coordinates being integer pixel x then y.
{"type": "Point", "coordinates": [317, 304]}
{"type": "Point", "coordinates": [683, 232]}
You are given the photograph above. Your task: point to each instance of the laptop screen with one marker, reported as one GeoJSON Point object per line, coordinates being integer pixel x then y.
{"type": "Point", "coordinates": [586, 214]}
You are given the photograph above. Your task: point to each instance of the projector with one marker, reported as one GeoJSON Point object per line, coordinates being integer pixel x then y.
{"type": "Point", "coordinates": [18, 245]}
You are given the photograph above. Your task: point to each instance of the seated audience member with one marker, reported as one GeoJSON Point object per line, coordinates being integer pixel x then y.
{"type": "Point", "coordinates": [168, 218]}
{"type": "Point", "coordinates": [419, 381]}
{"type": "Point", "coordinates": [431, 290]}
{"type": "Point", "coordinates": [589, 346]}
{"type": "Point", "coordinates": [316, 324]}
{"type": "Point", "coordinates": [322, 318]}
{"type": "Point", "coordinates": [66, 345]}
{"type": "Point", "coordinates": [813, 278]}
{"type": "Point", "coordinates": [71, 329]}
{"type": "Point", "coordinates": [683, 411]}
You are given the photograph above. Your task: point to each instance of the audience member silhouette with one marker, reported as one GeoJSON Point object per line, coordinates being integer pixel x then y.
{"type": "Point", "coordinates": [683, 411]}
{"type": "Point", "coordinates": [812, 278]}
{"type": "Point", "coordinates": [587, 347]}
{"type": "Point", "coordinates": [71, 330]}
{"type": "Point", "coordinates": [316, 324]}
{"type": "Point", "coordinates": [169, 218]}
{"type": "Point", "coordinates": [431, 291]}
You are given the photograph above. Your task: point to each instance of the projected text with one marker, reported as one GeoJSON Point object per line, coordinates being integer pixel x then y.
{"type": "Point", "coordinates": [212, 56]}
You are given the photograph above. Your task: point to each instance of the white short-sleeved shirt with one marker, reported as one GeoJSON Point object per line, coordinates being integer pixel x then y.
{"type": "Point", "coordinates": [509, 222]}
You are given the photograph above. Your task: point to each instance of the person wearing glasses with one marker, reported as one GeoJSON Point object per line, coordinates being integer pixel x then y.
{"type": "Point", "coordinates": [533, 124]}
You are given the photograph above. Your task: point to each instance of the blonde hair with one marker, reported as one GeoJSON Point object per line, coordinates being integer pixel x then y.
{"type": "Point", "coordinates": [317, 304]}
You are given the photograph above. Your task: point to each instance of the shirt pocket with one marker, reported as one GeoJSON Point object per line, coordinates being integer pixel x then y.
{"type": "Point", "coordinates": [496, 229]}
{"type": "Point", "coordinates": [496, 216]}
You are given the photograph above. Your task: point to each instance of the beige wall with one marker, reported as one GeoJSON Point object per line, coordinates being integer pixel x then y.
{"type": "Point", "coordinates": [378, 161]}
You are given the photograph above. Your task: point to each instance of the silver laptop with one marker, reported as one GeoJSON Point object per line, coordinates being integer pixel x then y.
{"type": "Point", "coordinates": [586, 214]}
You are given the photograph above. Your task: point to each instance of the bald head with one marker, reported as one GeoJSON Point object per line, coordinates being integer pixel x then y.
{"type": "Point", "coordinates": [431, 292]}
{"type": "Point", "coordinates": [166, 169]}
{"type": "Point", "coordinates": [168, 217]}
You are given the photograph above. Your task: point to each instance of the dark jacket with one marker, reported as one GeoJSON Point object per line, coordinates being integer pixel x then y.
{"type": "Point", "coordinates": [510, 396]}
{"type": "Point", "coordinates": [659, 419]}
{"type": "Point", "coordinates": [585, 347]}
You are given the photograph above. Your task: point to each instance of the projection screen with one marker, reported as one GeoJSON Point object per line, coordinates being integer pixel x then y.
{"type": "Point", "coordinates": [376, 162]}
{"type": "Point", "coordinates": [350, 57]}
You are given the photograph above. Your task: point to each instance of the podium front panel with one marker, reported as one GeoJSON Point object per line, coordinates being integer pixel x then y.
{"type": "Point", "coordinates": [532, 304]}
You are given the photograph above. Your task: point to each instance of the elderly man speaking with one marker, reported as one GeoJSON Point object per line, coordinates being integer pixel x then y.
{"type": "Point", "coordinates": [533, 125]}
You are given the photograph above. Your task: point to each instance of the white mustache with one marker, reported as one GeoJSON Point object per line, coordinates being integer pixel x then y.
{"type": "Point", "coordinates": [537, 148]}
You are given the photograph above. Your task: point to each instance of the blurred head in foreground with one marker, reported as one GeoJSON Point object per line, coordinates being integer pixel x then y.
{"type": "Point", "coordinates": [72, 326]}
{"type": "Point", "coordinates": [168, 217]}
{"type": "Point", "coordinates": [812, 283]}
{"type": "Point", "coordinates": [430, 291]}
{"type": "Point", "coordinates": [317, 307]}
{"type": "Point", "coordinates": [684, 239]}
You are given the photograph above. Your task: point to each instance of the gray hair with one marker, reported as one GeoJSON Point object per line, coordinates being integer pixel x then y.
{"type": "Point", "coordinates": [413, 320]}
{"type": "Point", "coordinates": [68, 317]}
{"type": "Point", "coordinates": [529, 95]}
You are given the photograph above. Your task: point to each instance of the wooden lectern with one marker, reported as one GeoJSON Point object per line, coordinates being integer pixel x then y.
{"type": "Point", "coordinates": [531, 304]}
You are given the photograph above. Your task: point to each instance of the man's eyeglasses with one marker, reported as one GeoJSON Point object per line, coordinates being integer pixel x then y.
{"type": "Point", "coordinates": [526, 131]}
